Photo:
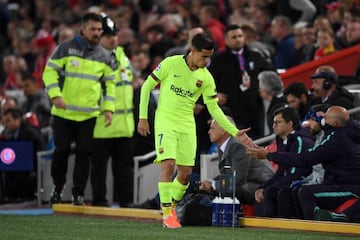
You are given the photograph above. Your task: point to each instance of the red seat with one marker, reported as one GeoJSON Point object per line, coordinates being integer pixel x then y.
{"type": "Point", "coordinates": [345, 205]}
{"type": "Point", "coordinates": [249, 210]}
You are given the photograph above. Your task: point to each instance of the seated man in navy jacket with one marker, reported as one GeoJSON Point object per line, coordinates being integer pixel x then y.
{"type": "Point", "coordinates": [339, 153]}
{"type": "Point", "coordinates": [274, 196]}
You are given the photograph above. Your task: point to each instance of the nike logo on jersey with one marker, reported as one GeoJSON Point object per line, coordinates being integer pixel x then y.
{"type": "Point", "coordinates": [177, 75]}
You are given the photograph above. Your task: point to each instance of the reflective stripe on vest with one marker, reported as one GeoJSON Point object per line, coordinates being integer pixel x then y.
{"type": "Point", "coordinates": [82, 109]}
{"type": "Point", "coordinates": [122, 111]}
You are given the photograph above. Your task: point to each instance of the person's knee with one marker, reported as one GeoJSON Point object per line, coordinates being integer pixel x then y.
{"type": "Point", "coordinates": [167, 169]}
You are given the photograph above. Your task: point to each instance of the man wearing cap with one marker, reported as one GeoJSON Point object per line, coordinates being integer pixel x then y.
{"type": "Point", "coordinates": [325, 86]}
{"type": "Point", "coordinates": [115, 140]}
{"type": "Point", "coordinates": [79, 79]}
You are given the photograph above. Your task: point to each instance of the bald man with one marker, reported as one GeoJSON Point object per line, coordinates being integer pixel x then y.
{"type": "Point", "coordinates": [338, 152]}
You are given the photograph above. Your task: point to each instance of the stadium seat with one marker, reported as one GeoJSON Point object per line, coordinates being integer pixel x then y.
{"type": "Point", "coordinates": [249, 210]}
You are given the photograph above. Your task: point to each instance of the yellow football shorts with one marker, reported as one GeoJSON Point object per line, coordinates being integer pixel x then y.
{"type": "Point", "coordinates": [170, 144]}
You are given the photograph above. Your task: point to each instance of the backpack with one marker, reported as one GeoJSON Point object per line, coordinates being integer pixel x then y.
{"type": "Point", "coordinates": [195, 209]}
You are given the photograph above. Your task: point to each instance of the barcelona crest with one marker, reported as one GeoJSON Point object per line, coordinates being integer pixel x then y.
{"type": "Point", "coordinates": [199, 83]}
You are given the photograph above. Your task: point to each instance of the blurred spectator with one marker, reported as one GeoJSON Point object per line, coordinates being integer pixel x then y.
{"type": "Point", "coordinates": [309, 43]}
{"type": "Point", "coordinates": [66, 33]}
{"type": "Point", "coordinates": [299, 98]}
{"type": "Point", "coordinates": [252, 40]}
{"type": "Point", "coordinates": [281, 31]}
{"type": "Point", "coordinates": [296, 10]}
{"type": "Point", "coordinates": [142, 65]}
{"type": "Point", "coordinates": [325, 42]}
{"type": "Point", "coordinates": [235, 72]}
{"type": "Point", "coordinates": [271, 91]}
{"type": "Point", "coordinates": [126, 40]}
{"type": "Point", "coordinates": [158, 42]}
{"type": "Point", "coordinates": [335, 14]}
{"type": "Point", "coordinates": [10, 68]}
{"type": "Point", "coordinates": [321, 22]}
{"type": "Point", "coordinates": [185, 46]}
{"type": "Point", "coordinates": [37, 101]}
{"type": "Point", "coordinates": [209, 19]}
{"type": "Point", "coordinates": [181, 43]}
{"type": "Point", "coordinates": [325, 85]}
{"type": "Point", "coordinates": [5, 104]}
{"type": "Point", "coordinates": [45, 45]}
{"type": "Point", "coordinates": [353, 33]}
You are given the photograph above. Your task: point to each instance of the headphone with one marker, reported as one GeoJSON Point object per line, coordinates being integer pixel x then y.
{"type": "Point", "coordinates": [330, 78]}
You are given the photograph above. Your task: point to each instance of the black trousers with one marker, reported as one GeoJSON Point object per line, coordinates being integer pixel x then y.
{"type": "Point", "coordinates": [66, 132]}
{"type": "Point", "coordinates": [277, 202]}
{"type": "Point", "coordinates": [324, 196]}
{"type": "Point", "coordinates": [121, 152]}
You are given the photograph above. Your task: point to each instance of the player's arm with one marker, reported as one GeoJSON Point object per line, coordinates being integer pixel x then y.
{"type": "Point", "coordinates": [240, 135]}
{"type": "Point", "coordinates": [143, 125]}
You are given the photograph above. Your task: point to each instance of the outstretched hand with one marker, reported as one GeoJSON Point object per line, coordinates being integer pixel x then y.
{"type": "Point", "coordinates": [257, 152]}
{"type": "Point", "coordinates": [244, 139]}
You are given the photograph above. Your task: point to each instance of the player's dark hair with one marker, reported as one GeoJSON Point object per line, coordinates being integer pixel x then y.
{"type": "Point", "coordinates": [202, 41]}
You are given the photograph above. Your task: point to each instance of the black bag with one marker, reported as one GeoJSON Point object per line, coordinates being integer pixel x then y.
{"type": "Point", "coordinates": [195, 209]}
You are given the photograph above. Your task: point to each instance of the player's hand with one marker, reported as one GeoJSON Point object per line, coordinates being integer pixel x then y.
{"type": "Point", "coordinates": [257, 152]}
{"type": "Point", "coordinates": [143, 127]}
{"type": "Point", "coordinates": [243, 138]}
{"type": "Point", "coordinates": [59, 102]}
{"type": "Point", "coordinates": [259, 195]}
{"type": "Point", "coordinates": [108, 118]}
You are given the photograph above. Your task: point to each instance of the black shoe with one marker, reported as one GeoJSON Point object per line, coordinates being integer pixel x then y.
{"type": "Point", "coordinates": [78, 200]}
{"type": "Point", "coordinates": [325, 215]}
{"type": "Point", "coordinates": [55, 197]}
{"type": "Point", "coordinates": [148, 204]}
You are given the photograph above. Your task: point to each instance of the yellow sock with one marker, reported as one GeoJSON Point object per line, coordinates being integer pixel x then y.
{"type": "Point", "coordinates": [165, 197]}
{"type": "Point", "coordinates": [178, 190]}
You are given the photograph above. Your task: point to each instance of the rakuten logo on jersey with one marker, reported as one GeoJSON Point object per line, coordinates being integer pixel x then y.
{"type": "Point", "coordinates": [181, 92]}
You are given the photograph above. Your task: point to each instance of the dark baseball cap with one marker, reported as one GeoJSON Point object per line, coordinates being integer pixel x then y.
{"type": "Point", "coordinates": [330, 76]}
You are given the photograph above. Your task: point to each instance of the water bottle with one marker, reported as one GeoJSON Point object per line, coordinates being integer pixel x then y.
{"type": "Point", "coordinates": [216, 211]}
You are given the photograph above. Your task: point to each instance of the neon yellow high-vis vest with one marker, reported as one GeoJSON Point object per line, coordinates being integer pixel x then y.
{"type": "Point", "coordinates": [123, 123]}
{"type": "Point", "coordinates": [83, 76]}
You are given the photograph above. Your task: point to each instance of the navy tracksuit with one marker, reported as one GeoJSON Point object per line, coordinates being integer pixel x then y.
{"type": "Point", "coordinates": [339, 153]}
{"type": "Point", "coordinates": [277, 194]}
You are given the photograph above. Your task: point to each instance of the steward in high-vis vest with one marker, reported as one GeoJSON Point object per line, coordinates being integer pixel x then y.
{"type": "Point", "coordinates": [79, 78]}
{"type": "Point", "coordinates": [115, 141]}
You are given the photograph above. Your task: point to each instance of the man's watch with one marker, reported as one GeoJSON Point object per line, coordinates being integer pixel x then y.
{"type": "Point", "coordinates": [269, 156]}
